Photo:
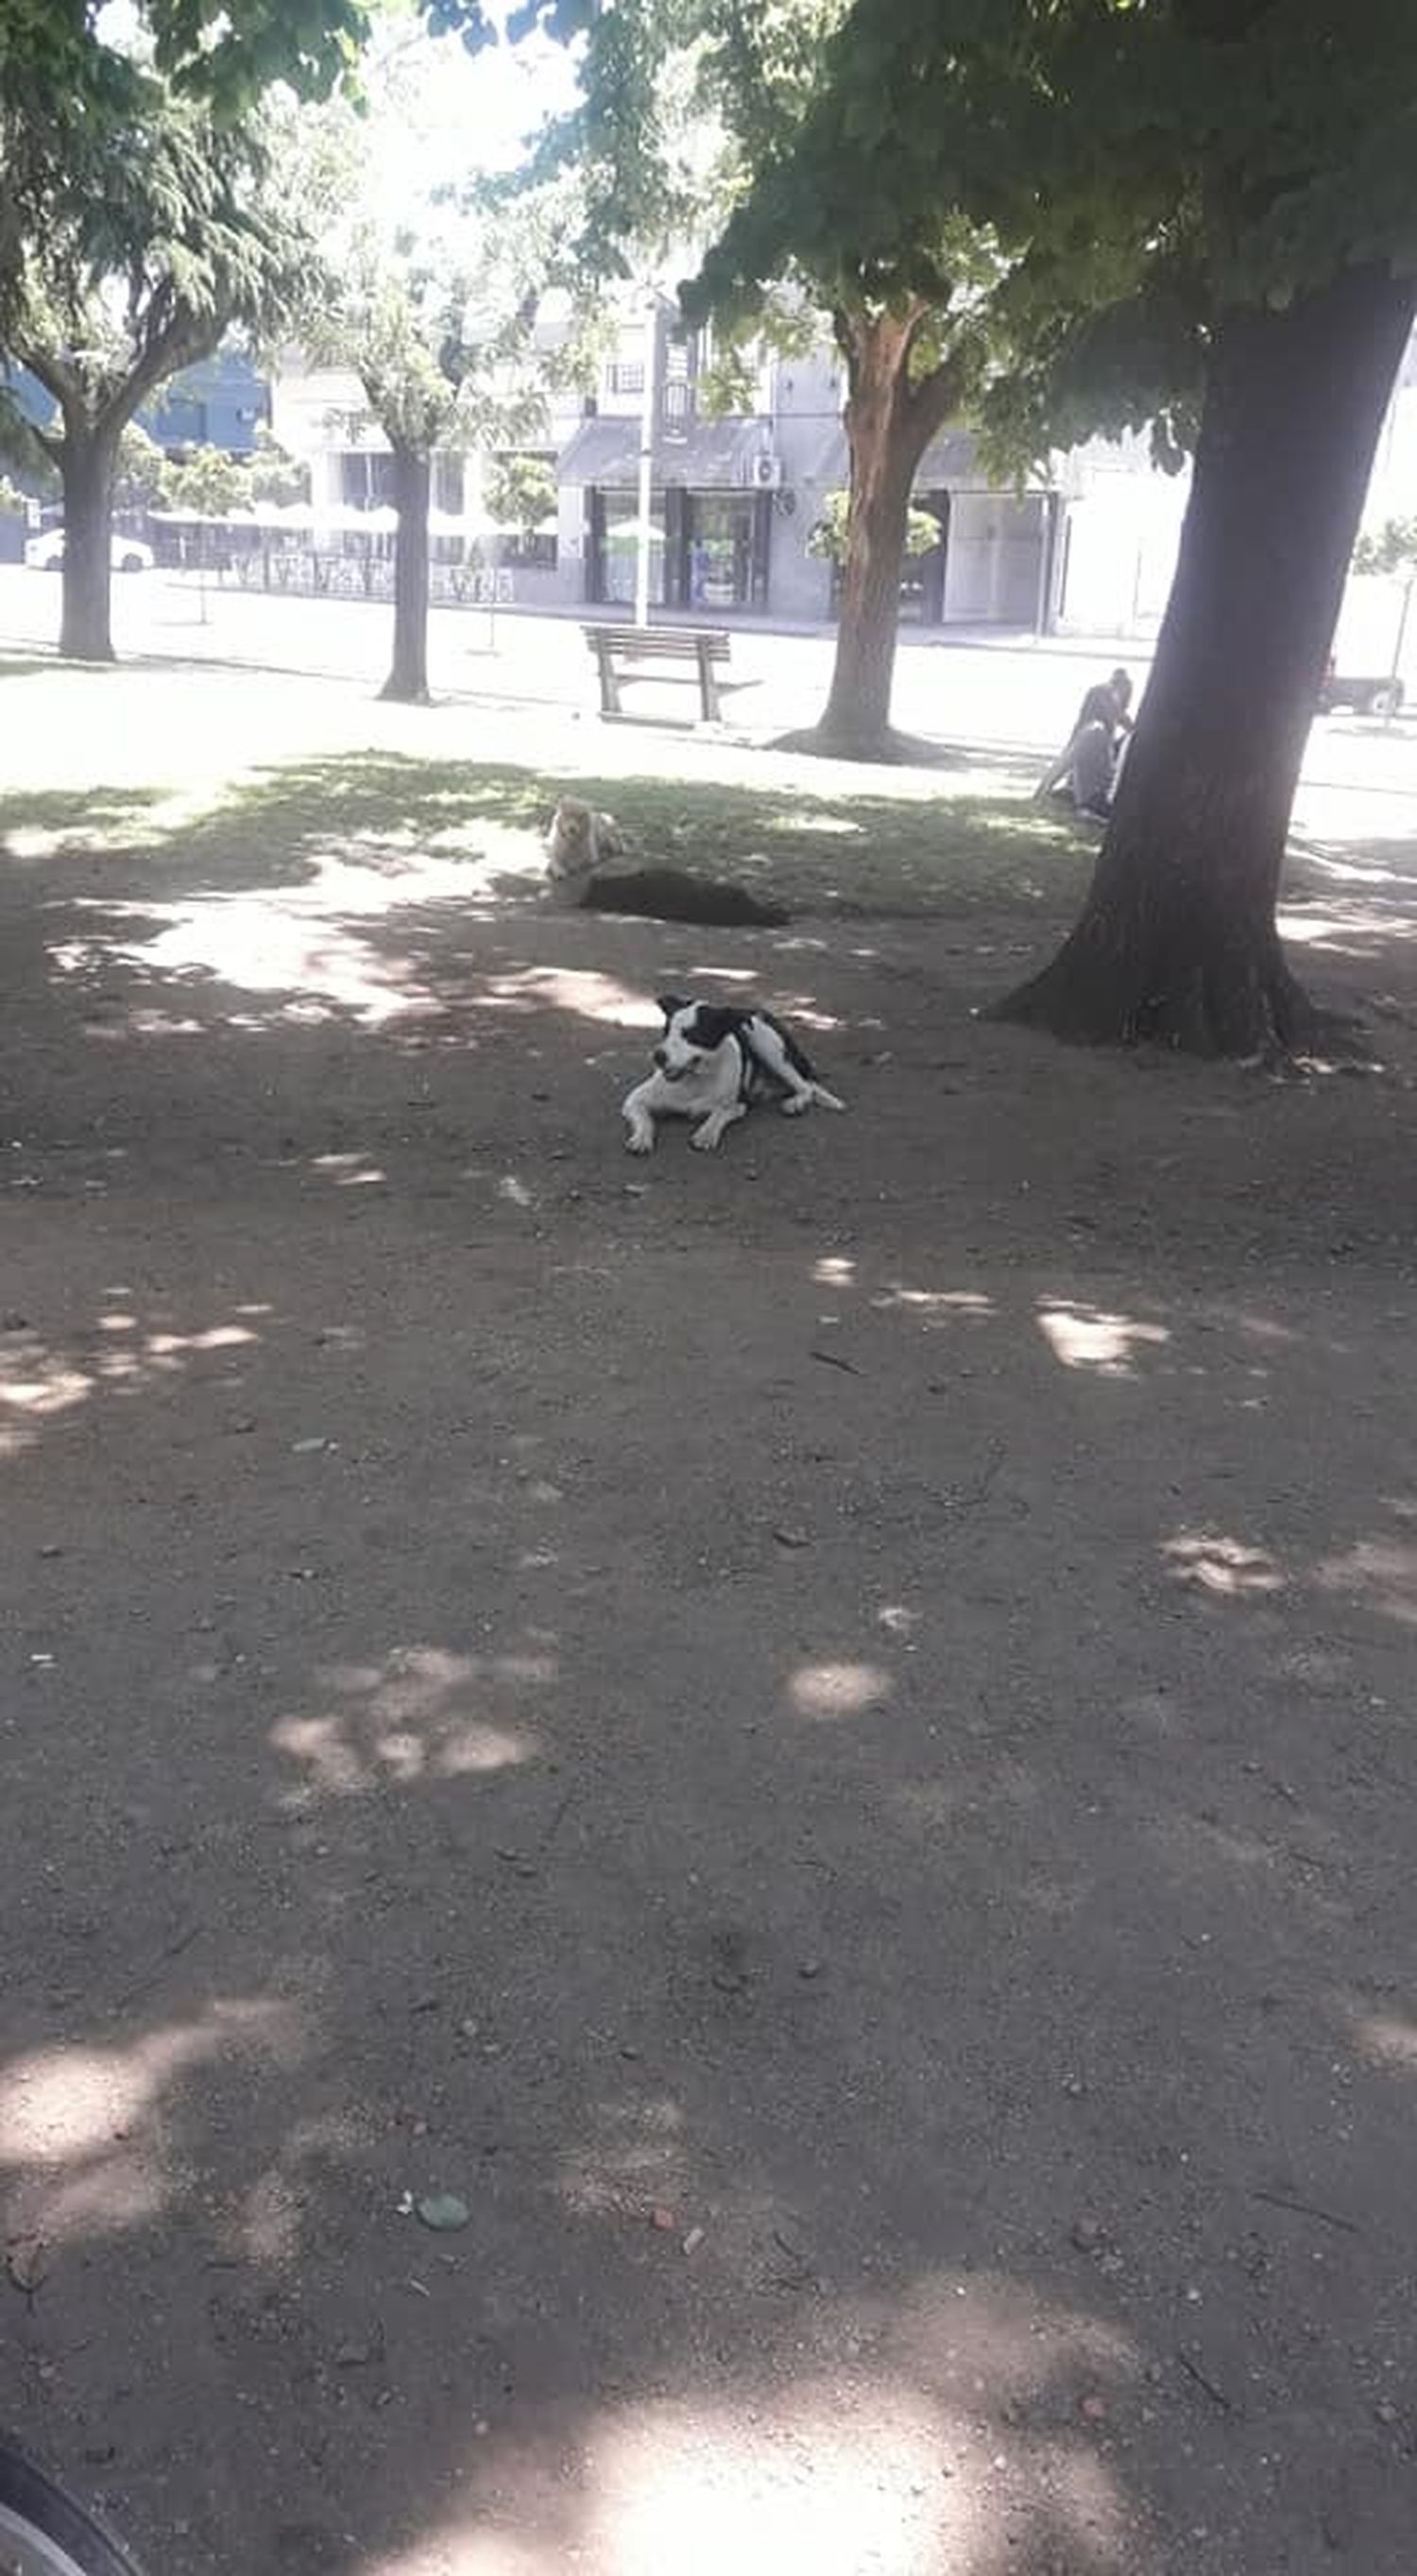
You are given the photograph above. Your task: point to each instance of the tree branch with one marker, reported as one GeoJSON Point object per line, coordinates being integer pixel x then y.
{"type": "Point", "coordinates": [937, 395]}
{"type": "Point", "coordinates": [57, 379]}
{"type": "Point", "coordinates": [846, 331]}
{"type": "Point", "coordinates": [183, 340]}
{"type": "Point", "coordinates": [916, 319]}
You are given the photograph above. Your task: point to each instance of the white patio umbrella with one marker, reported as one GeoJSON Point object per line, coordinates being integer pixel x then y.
{"type": "Point", "coordinates": [627, 532]}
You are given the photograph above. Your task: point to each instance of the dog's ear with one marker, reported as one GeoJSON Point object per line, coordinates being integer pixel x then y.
{"type": "Point", "coordinates": [669, 1003]}
{"type": "Point", "coordinates": [716, 1021]}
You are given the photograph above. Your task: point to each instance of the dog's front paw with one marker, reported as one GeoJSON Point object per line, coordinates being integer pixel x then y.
{"type": "Point", "coordinates": [640, 1141]}
{"type": "Point", "coordinates": [706, 1139]}
{"type": "Point", "coordinates": [795, 1103]}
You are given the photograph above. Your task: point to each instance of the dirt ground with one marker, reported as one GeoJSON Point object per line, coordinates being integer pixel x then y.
{"type": "Point", "coordinates": [821, 1736]}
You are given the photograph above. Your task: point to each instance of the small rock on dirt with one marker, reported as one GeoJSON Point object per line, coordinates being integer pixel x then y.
{"type": "Point", "coordinates": [27, 2262]}
{"type": "Point", "coordinates": [443, 2211]}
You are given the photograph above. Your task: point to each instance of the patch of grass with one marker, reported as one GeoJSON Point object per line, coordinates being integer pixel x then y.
{"type": "Point", "coordinates": [855, 852]}
{"type": "Point", "coordinates": [850, 852]}
{"type": "Point", "coordinates": [83, 818]}
{"type": "Point", "coordinates": [878, 854]}
{"type": "Point", "coordinates": [25, 666]}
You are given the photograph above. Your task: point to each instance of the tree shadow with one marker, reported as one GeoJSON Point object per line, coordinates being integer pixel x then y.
{"type": "Point", "coordinates": [871, 1924]}
{"type": "Point", "coordinates": [35, 822]}
{"type": "Point", "coordinates": [388, 809]}
{"type": "Point", "coordinates": [1356, 902]}
{"type": "Point", "coordinates": [899, 750]}
{"type": "Point", "coordinates": [830, 1758]}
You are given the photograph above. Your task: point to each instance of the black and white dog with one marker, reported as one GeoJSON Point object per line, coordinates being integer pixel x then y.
{"type": "Point", "coordinates": [714, 1063]}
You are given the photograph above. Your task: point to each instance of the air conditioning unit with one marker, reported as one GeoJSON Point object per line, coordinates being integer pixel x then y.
{"type": "Point", "coordinates": [765, 473]}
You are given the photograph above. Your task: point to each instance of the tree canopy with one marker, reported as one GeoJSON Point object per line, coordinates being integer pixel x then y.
{"type": "Point", "coordinates": [1204, 221]}
{"type": "Point", "coordinates": [71, 70]}
{"type": "Point", "coordinates": [162, 229]}
{"type": "Point", "coordinates": [829, 538]}
{"type": "Point", "coordinates": [1142, 169]}
{"type": "Point", "coordinates": [519, 490]}
{"type": "Point", "coordinates": [1389, 551]}
{"type": "Point", "coordinates": [435, 316]}
{"type": "Point", "coordinates": [226, 56]}
{"type": "Point", "coordinates": [691, 110]}
{"type": "Point", "coordinates": [176, 231]}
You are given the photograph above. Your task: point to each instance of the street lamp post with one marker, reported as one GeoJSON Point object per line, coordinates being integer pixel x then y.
{"type": "Point", "coordinates": [649, 407]}
{"type": "Point", "coordinates": [1394, 686]}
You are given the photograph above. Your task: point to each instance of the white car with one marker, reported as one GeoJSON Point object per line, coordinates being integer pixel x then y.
{"type": "Point", "coordinates": [125, 554]}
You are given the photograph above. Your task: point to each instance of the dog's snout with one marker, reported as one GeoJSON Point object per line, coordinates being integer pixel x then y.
{"type": "Point", "coordinates": [661, 1059]}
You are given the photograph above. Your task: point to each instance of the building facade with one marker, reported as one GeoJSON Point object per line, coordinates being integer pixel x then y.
{"type": "Point", "coordinates": [1120, 532]}
{"type": "Point", "coordinates": [736, 500]}
{"type": "Point", "coordinates": [733, 503]}
{"type": "Point", "coordinates": [1088, 550]}
{"type": "Point", "coordinates": [222, 402]}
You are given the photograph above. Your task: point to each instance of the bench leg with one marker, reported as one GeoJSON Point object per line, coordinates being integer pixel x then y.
{"type": "Point", "coordinates": [708, 684]}
{"type": "Point", "coordinates": [609, 684]}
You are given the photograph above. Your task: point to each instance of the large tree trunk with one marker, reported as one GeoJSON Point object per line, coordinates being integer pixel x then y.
{"type": "Point", "coordinates": [86, 462]}
{"type": "Point", "coordinates": [889, 425]}
{"type": "Point", "coordinates": [408, 675]}
{"type": "Point", "coordinates": [1177, 940]}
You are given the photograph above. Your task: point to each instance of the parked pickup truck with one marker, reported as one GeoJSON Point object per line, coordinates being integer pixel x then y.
{"type": "Point", "coordinates": [1367, 696]}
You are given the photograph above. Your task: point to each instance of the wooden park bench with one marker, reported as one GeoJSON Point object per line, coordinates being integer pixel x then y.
{"type": "Point", "coordinates": [658, 653]}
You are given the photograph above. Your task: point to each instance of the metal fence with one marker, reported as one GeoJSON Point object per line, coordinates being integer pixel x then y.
{"type": "Point", "coordinates": [299, 572]}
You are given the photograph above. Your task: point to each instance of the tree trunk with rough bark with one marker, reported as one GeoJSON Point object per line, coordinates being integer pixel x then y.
{"type": "Point", "coordinates": [890, 422]}
{"type": "Point", "coordinates": [1177, 941]}
{"type": "Point", "coordinates": [408, 675]}
{"type": "Point", "coordinates": [87, 458]}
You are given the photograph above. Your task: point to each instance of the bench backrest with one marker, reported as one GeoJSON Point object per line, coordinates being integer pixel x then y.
{"type": "Point", "coordinates": [658, 643]}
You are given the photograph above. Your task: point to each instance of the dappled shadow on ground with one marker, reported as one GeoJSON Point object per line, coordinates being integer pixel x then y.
{"type": "Point", "coordinates": [904, 751]}
{"type": "Point", "coordinates": [893, 1931]}
{"type": "Point", "coordinates": [831, 1759]}
{"type": "Point", "coordinates": [396, 815]}
{"type": "Point", "coordinates": [39, 823]}
{"type": "Point", "coordinates": [1355, 903]}
{"type": "Point", "coordinates": [387, 894]}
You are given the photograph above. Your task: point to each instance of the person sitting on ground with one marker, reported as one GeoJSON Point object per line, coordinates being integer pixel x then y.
{"type": "Point", "coordinates": [1094, 771]}
{"type": "Point", "coordinates": [1108, 705]}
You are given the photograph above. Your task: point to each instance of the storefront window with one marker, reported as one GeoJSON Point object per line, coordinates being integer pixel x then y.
{"type": "Point", "coordinates": [615, 520]}
{"type": "Point", "coordinates": [708, 551]}
{"type": "Point", "coordinates": [720, 548]}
